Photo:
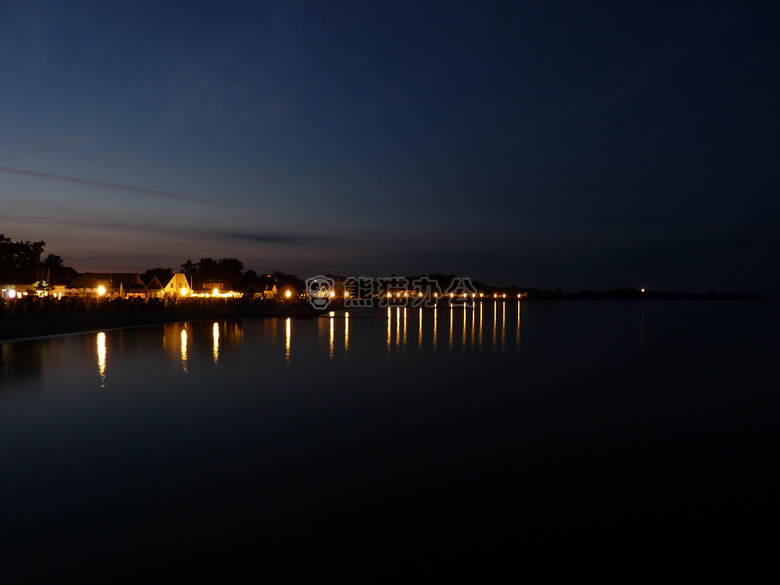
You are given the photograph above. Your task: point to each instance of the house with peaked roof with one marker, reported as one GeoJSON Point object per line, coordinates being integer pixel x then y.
{"type": "Point", "coordinates": [269, 291]}
{"type": "Point", "coordinates": [154, 288]}
{"type": "Point", "coordinates": [136, 288]}
{"type": "Point", "coordinates": [219, 287]}
{"type": "Point", "coordinates": [216, 286]}
{"type": "Point", "coordinates": [177, 286]}
{"type": "Point", "coordinates": [260, 290]}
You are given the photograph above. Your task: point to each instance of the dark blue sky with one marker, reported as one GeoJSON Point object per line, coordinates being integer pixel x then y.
{"type": "Point", "coordinates": [557, 144]}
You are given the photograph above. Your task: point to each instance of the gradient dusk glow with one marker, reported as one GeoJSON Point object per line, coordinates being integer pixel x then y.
{"type": "Point", "coordinates": [561, 144]}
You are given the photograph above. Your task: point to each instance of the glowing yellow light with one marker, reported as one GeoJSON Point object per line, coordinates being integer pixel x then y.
{"type": "Point", "coordinates": [519, 295]}
{"type": "Point", "coordinates": [495, 295]}
{"type": "Point", "coordinates": [435, 295]}
{"type": "Point", "coordinates": [101, 290]}
{"type": "Point", "coordinates": [504, 295]}
{"type": "Point", "coordinates": [481, 295]}
{"type": "Point", "coordinates": [215, 292]}
{"type": "Point", "coordinates": [420, 295]}
{"type": "Point", "coordinates": [643, 290]}
{"type": "Point", "coordinates": [346, 294]}
{"type": "Point", "coordinates": [332, 294]}
{"type": "Point", "coordinates": [11, 294]}
{"type": "Point", "coordinates": [287, 294]}
{"type": "Point", "coordinates": [451, 295]}
{"type": "Point", "coordinates": [183, 292]}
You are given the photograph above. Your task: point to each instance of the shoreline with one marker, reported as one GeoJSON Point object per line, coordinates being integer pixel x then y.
{"type": "Point", "coordinates": [15, 327]}
{"type": "Point", "coordinates": [27, 327]}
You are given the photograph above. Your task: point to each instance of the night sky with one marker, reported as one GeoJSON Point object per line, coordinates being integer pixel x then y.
{"type": "Point", "coordinates": [580, 145]}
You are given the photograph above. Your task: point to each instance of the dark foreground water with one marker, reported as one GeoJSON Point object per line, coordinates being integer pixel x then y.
{"type": "Point", "coordinates": [508, 443]}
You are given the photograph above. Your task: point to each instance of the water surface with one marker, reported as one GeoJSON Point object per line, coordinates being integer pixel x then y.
{"type": "Point", "coordinates": [547, 439]}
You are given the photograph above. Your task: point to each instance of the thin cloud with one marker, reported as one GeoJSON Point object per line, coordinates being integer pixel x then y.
{"type": "Point", "coordinates": [269, 238]}
{"type": "Point", "coordinates": [105, 185]}
{"type": "Point", "coordinates": [137, 227]}
{"type": "Point", "coordinates": [69, 222]}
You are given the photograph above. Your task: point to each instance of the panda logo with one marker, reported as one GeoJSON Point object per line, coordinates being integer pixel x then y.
{"type": "Point", "coordinates": [319, 289]}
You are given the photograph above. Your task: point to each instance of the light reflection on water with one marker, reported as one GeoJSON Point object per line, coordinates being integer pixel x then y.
{"type": "Point", "coordinates": [287, 339]}
{"type": "Point", "coordinates": [101, 353]}
{"type": "Point", "coordinates": [346, 335]}
{"type": "Point", "coordinates": [466, 329]}
{"type": "Point", "coordinates": [332, 335]}
{"type": "Point", "coordinates": [517, 332]}
{"type": "Point", "coordinates": [389, 329]}
{"type": "Point", "coordinates": [215, 335]}
{"type": "Point", "coordinates": [178, 338]}
{"type": "Point", "coordinates": [503, 326]}
{"type": "Point", "coordinates": [398, 327]}
{"type": "Point", "coordinates": [463, 344]}
{"type": "Point", "coordinates": [451, 325]}
{"type": "Point", "coordinates": [370, 428]}
{"type": "Point", "coordinates": [495, 323]}
{"type": "Point", "coordinates": [420, 328]}
{"type": "Point", "coordinates": [493, 327]}
{"type": "Point", "coordinates": [435, 325]}
{"type": "Point", "coordinates": [184, 350]}
{"type": "Point", "coordinates": [465, 326]}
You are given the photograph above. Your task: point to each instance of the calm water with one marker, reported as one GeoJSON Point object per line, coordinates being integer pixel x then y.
{"type": "Point", "coordinates": [541, 440]}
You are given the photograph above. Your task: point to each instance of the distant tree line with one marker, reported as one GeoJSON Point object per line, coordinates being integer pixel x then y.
{"type": "Point", "coordinates": [230, 269]}
{"type": "Point", "coordinates": [21, 262]}
{"type": "Point", "coordinates": [19, 259]}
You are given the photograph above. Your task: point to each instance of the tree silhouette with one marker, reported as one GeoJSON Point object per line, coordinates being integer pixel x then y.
{"type": "Point", "coordinates": [20, 260]}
